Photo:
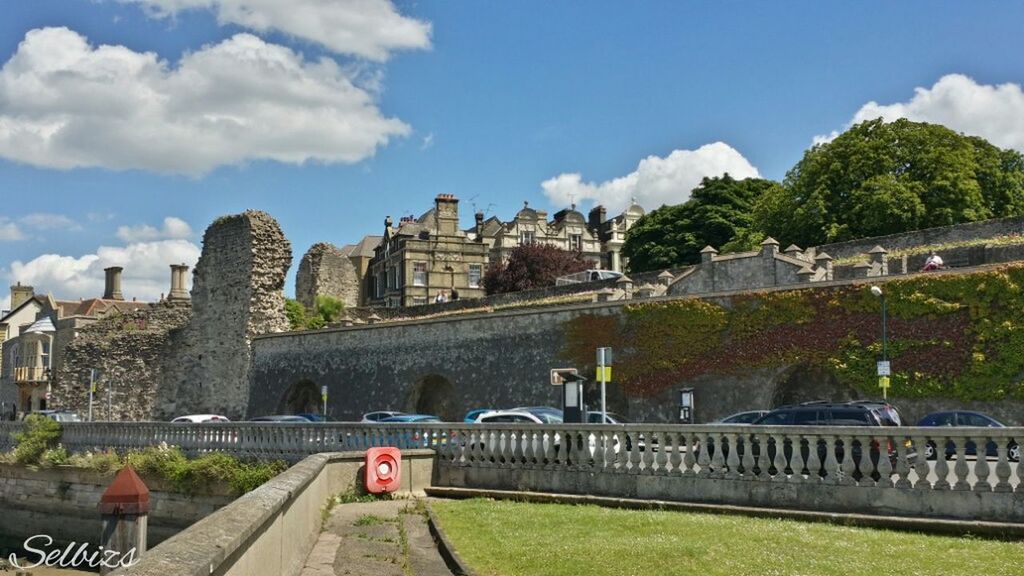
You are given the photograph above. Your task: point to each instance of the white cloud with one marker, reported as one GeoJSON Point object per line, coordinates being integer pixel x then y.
{"type": "Point", "coordinates": [655, 181]}
{"type": "Point", "coordinates": [173, 228]}
{"type": "Point", "coordinates": [48, 221]}
{"type": "Point", "coordinates": [147, 272]}
{"type": "Point", "coordinates": [994, 112]}
{"type": "Point", "coordinates": [9, 231]}
{"type": "Point", "coordinates": [367, 28]}
{"type": "Point", "coordinates": [66, 104]}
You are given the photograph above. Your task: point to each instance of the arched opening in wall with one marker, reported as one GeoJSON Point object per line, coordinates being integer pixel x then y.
{"type": "Point", "coordinates": [807, 382]}
{"type": "Point", "coordinates": [434, 394]}
{"type": "Point", "coordinates": [303, 397]}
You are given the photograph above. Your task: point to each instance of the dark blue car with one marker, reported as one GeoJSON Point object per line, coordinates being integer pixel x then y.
{"type": "Point", "coordinates": [964, 418]}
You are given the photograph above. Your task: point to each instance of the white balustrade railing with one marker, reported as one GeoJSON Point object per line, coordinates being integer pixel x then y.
{"type": "Point", "coordinates": [953, 459]}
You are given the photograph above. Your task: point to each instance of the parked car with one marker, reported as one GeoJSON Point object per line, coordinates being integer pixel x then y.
{"type": "Point", "coordinates": [281, 418]}
{"type": "Point", "coordinates": [380, 415]}
{"type": "Point", "coordinates": [406, 418]}
{"type": "Point", "coordinates": [200, 419]}
{"type": "Point", "coordinates": [313, 417]}
{"type": "Point", "coordinates": [59, 415]}
{"type": "Point", "coordinates": [887, 414]}
{"type": "Point", "coordinates": [472, 415]}
{"type": "Point", "coordinates": [817, 414]}
{"type": "Point", "coordinates": [964, 418]}
{"type": "Point", "coordinates": [610, 418]}
{"type": "Point", "coordinates": [546, 414]}
{"type": "Point", "coordinates": [747, 417]}
{"type": "Point", "coordinates": [586, 276]}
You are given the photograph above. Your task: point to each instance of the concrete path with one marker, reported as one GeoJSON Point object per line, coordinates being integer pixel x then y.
{"type": "Point", "coordinates": [387, 538]}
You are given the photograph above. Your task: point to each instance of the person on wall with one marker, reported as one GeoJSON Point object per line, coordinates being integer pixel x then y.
{"type": "Point", "coordinates": [934, 262]}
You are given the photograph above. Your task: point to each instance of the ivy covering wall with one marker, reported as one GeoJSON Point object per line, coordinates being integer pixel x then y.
{"type": "Point", "coordinates": [950, 335]}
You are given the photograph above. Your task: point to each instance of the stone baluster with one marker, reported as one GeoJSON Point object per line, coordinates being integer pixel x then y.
{"type": "Point", "coordinates": [690, 445]}
{"type": "Point", "coordinates": [633, 452]}
{"type": "Point", "coordinates": [960, 469]}
{"type": "Point", "coordinates": [657, 444]}
{"type": "Point", "coordinates": [941, 467]}
{"type": "Point", "coordinates": [703, 458]}
{"type": "Point", "coordinates": [1020, 465]}
{"type": "Point", "coordinates": [1003, 469]}
{"type": "Point", "coordinates": [607, 449]}
{"type": "Point", "coordinates": [921, 467]}
{"type": "Point", "coordinates": [902, 462]}
{"type": "Point", "coordinates": [746, 445]}
{"type": "Point", "coordinates": [848, 468]}
{"type": "Point", "coordinates": [548, 448]}
{"type": "Point", "coordinates": [732, 459]}
{"type": "Point", "coordinates": [815, 449]}
{"type": "Point", "coordinates": [646, 445]}
{"type": "Point", "coordinates": [796, 461]}
{"type": "Point", "coordinates": [561, 460]}
{"type": "Point", "coordinates": [717, 457]}
{"type": "Point", "coordinates": [779, 458]}
{"type": "Point", "coordinates": [883, 467]}
{"type": "Point", "coordinates": [981, 468]}
{"type": "Point", "coordinates": [675, 452]}
{"type": "Point", "coordinates": [763, 462]}
{"type": "Point", "coordinates": [523, 437]}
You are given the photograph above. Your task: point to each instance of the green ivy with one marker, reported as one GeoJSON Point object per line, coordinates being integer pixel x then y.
{"type": "Point", "coordinates": [950, 335]}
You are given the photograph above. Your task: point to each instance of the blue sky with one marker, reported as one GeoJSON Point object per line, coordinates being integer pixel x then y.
{"type": "Point", "coordinates": [495, 102]}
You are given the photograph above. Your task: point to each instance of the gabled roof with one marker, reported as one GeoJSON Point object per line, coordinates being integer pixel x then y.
{"type": "Point", "coordinates": [43, 325]}
{"type": "Point", "coordinates": [37, 299]}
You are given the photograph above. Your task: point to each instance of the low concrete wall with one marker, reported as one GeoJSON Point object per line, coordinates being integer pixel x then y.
{"type": "Point", "coordinates": [62, 502]}
{"type": "Point", "coordinates": [271, 530]}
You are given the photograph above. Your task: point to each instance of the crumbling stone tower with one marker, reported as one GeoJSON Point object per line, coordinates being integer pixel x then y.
{"type": "Point", "coordinates": [237, 293]}
{"type": "Point", "coordinates": [326, 270]}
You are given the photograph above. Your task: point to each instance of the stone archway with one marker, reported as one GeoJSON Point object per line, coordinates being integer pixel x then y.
{"type": "Point", "coordinates": [807, 382]}
{"type": "Point", "coordinates": [434, 394]}
{"type": "Point", "coordinates": [303, 397]}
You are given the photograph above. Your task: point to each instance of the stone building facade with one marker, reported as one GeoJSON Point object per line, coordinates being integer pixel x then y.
{"type": "Point", "coordinates": [568, 230]}
{"type": "Point", "coordinates": [424, 257]}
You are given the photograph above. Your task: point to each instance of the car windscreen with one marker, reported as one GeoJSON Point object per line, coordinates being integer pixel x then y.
{"type": "Point", "coordinates": [843, 417]}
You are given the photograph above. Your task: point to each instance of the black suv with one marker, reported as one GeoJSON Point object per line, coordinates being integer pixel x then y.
{"type": "Point", "coordinates": [824, 414]}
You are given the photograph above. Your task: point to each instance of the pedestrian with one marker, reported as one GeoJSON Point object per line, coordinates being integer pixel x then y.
{"type": "Point", "coordinates": [934, 262]}
{"type": "Point", "coordinates": [440, 298]}
{"type": "Point", "coordinates": [455, 294]}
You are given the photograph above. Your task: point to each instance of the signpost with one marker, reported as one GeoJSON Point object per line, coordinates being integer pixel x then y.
{"type": "Point", "coordinates": [884, 371]}
{"type": "Point", "coordinates": [604, 375]}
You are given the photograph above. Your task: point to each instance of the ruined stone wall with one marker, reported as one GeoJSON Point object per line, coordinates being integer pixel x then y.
{"type": "Point", "coordinates": [130, 351]}
{"type": "Point", "coordinates": [325, 270]}
{"type": "Point", "coordinates": [237, 293]}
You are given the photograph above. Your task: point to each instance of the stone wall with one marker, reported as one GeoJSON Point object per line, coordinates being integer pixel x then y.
{"type": "Point", "coordinates": [447, 366]}
{"type": "Point", "coordinates": [941, 235]}
{"type": "Point", "coordinates": [325, 270]}
{"type": "Point", "coordinates": [63, 502]}
{"type": "Point", "coordinates": [129, 350]}
{"type": "Point", "coordinates": [237, 293]}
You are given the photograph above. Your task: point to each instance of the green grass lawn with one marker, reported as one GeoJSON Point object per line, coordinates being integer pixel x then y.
{"type": "Point", "coordinates": [500, 538]}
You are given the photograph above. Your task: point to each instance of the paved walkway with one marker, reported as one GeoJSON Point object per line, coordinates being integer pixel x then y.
{"type": "Point", "coordinates": [387, 538]}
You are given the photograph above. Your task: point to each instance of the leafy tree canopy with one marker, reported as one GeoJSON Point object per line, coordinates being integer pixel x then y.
{"type": "Point", "coordinates": [884, 178]}
{"type": "Point", "coordinates": [532, 266]}
{"type": "Point", "coordinates": [326, 309]}
{"type": "Point", "coordinates": [718, 214]}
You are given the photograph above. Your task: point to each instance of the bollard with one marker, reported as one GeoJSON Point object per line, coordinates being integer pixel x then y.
{"type": "Point", "coordinates": [125, 509]}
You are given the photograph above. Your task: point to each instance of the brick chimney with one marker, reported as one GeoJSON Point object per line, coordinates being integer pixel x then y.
{"type": "Point", "coordinates": [596, 217]}
{"type": "Point", "coordinates": [112, 291]}
{"type": "Point", "coordinates": [20, 294]}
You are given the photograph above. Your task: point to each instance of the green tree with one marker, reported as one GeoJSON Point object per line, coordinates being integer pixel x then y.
{"type": "Point", "coordinates": [296, 313]}
{"type": "Point", "coordinates": [718, 213]}
{"type": "Point", "coordinates": [889, 177]}
{"type": "Point", "coordinates": [326, 309]}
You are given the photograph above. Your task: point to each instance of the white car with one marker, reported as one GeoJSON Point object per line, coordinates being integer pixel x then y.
{"type": "Point", "coordinates": [200, 419]}
{"type": "Point", "coordinates": [539, 441]}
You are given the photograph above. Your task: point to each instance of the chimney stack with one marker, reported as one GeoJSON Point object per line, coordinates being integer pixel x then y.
{"type": "Point", "coordinates": [178, 291]}
{"type": "Point", "coordinates": [20, 294]}
{"type": "Point", "coordinates": [112, 291]}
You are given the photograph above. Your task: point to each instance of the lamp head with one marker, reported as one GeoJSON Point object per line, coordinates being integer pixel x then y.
{"type": "Point", "coordinates": [876, 290]}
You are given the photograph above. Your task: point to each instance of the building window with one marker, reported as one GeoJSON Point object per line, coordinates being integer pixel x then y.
{"type": "Point", "coordinates": [419, 300]}
{"type": "Point", "coordinates": [475, 272]}
{"type": "Point", "coordinates": [576, 242]}
{"type": "Point", "coordinates": [526, 237]}
{"type": "Point", "coordinates": [419, 273]}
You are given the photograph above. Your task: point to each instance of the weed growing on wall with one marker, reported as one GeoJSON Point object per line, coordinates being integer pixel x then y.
{"type": "Point", "coordinates": [956, 336]}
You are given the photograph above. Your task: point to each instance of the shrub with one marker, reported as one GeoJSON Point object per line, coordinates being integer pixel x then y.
{"type": "Point", "coordinates": [40, 435]}
{"type": "Point", "coordinates": [55, 456]}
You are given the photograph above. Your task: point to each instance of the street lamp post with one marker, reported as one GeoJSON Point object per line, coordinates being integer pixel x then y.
{"type": "Point", "coordinates": [884, 365]}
